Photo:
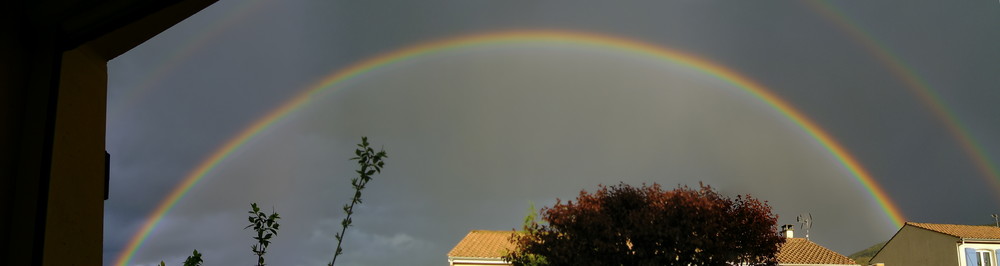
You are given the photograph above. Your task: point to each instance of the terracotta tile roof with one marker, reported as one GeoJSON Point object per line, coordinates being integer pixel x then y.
{"type": "Point", "coordinates": [803, 251]}
{"type": "Point", "coordinates": [494, 244]}
{"type": "Point", "coordinates": [483, 244]}
{"type": "Point", "coordinates": [962, 231]}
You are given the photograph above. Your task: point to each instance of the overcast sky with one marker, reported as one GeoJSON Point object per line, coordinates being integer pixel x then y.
{"type": "Point", "coordinates": [476, 134]}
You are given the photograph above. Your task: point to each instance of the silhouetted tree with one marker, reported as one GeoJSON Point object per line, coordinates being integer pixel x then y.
{"type": "Point", "coordinates": [194, 259]}
{"type": "Point", "coordinates": [369, 164]}
{"type": "Point", "coordinates": [266, 227]}
{"type": "Point", "coordinates": [625, 225]}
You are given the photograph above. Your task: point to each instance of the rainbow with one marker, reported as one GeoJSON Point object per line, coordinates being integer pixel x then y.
{"type": "Point", "coordinates": [190, 46]}
{"type": "Point", "coordinates": [917, 86]}
{"type": "Point", "coordinates": [337, 78]}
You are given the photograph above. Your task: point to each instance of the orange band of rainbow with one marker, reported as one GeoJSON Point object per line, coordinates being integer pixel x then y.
{"type": "Point", "coordinates": [576, 38]}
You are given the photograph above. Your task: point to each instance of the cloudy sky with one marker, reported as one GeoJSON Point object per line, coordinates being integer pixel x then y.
{"type": "Point", "coordinates": [476, 134]}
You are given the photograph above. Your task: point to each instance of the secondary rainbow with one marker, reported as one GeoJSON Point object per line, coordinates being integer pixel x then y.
{"type": "Point", "coordinates": [917, 86]}
{"type": "Point", "coordinates": [174, 57]}
{"type": "Point", "coordinates": [336, 78]}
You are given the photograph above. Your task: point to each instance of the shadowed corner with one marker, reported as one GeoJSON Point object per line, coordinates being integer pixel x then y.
{"type": "Point", "coordinates": [54, 101]}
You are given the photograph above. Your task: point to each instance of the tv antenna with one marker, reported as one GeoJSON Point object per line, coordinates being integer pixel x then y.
{"type": "Point", "coordinates": [806, 219]}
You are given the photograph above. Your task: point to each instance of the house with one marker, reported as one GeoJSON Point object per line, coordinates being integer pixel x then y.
{"type": "Point", "coordinates": [481, 247]}
{"type": "Point", "coordinates": [941, 244]}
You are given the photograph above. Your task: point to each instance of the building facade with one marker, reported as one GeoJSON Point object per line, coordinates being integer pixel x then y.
{"type": "Point", "coordinates": [941, 244]}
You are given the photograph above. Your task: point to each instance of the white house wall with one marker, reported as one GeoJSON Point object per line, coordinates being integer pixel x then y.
{"type": "Point", "coordinates": [960, 251]}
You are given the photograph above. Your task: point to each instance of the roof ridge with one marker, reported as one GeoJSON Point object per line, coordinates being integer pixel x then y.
{"type": "Point", "coordinates": [950, 224]}
{"type": "Point", "coordinates": [987, 225]}
{"type": "Point", "coordinates": [483, 244]}
{"type": "Point", "coordinates": [960, 230]}
{"type": "Point", "coordinates": [802, 250]}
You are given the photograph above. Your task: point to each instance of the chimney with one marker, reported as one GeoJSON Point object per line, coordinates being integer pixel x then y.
{"type": "Point", "coordinates": [787, 231]}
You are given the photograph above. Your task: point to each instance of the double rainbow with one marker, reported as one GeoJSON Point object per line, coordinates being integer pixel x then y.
{"type": "Point", "coordinates": [927, 96]}
{"type": "Point", "coordinates": [335, 79]}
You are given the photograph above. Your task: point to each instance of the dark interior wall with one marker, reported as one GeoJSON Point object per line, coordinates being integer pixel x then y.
{"type": "Point", "coordinates": [28, 78]}
{"type": "Point", "coordinates": [74, 217]}
{"type": "Point", "coordinates": [53, 83]}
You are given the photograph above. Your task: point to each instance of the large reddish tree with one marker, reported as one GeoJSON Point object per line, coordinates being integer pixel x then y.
{"type": "Point", "coordinates": [625, 225]}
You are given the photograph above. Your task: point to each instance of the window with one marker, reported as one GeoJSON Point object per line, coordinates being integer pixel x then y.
{"type": "Point", "coordinates": [984, 257]}
{"type": "Point", "coordinates": [980, 257]}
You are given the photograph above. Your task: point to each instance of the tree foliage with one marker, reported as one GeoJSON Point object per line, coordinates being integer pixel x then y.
{"type": "Point", "coordinates": [266, 227]}
{"type": "Point", "coordinates": [194, 259]}
{"type": "Point", "coordinates": [369, 164]}
{"type": "Point", "coordinates": [625, 225]}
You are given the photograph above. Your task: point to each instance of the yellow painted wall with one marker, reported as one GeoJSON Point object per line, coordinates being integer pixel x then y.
{"type": "Point", "coordinates": [74, 234]}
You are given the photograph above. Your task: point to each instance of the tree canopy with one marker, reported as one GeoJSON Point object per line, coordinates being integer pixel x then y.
{"type": "Point", "coordinates": [625, 225]}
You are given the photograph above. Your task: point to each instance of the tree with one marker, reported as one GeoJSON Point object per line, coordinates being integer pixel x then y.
{"type": "Point", "coordinates": [625, 225]}
{"type": "Point", "coordinates": [530, 259]}
{"type": "Point", "coordinates": [370, 163]}
{"type": "Point", "coordinates": [266, 226]}
{"type": "Point", "coordinates": [194, 259]}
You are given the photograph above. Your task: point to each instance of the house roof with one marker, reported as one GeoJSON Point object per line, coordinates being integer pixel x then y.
{"type": "Point", "coordinates": [494, 244]}
{"type": "Point", "coordinates": [483, 244]}
{"type": "Point", "coordinates": [962, 231]}
{"type": "Point", "coordinates": [803, 251]}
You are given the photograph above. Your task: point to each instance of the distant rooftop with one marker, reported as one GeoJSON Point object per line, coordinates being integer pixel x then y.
{"type": "Point", "coordinates": [483, 244]}
{"type": "Point", "coordinates": [803, 251]}
{"type": "Point", "coordinates": [487, 244]}
{"type": "Point", "coordinates": [961, 231]}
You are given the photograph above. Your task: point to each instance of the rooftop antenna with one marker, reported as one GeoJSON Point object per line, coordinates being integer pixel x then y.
{"type": "Point", "coordinates": [806, 219]}
{"type": "Point", "coordinates": [995, 220]}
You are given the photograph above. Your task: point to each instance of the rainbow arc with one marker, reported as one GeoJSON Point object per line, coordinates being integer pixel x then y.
{"type": "Point", "coordinates": [337, 78]}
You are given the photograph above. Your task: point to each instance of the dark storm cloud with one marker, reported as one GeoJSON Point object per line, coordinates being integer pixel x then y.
{"type": "Point", "coordinates": [474, 137]}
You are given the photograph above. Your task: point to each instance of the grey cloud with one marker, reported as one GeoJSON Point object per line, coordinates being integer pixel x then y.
{"type": "Point", "coordinates": [475, 134]}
